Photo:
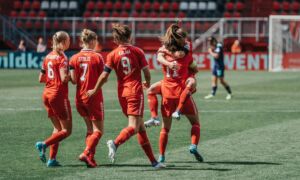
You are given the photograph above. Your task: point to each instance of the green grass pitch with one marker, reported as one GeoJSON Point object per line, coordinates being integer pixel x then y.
{"type": "Point", "coordinates": [256, 135]}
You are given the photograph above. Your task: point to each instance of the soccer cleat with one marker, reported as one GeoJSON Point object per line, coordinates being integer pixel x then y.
{"type": "Point", "coordinates": [209, 96]}
{"type": "Point", "coordinates": [111, 150]}
{"type": "Point", "coordinates": [89, 163]}
{"type": "Point", "coordinates": [194, 151]}
{"type": "Point", "coordinates": [152, 122]}
{"type": "Point", "coordinates": [53, 163]}
{"type": "Point", "coordinates": [158, 165]}
{"type": "Point", "coordinates": [41, 147]}
{"type": "Point", "coordinates": [93, 159]}
{"type": "Point", "coordinates": [176, 115]}
{"type": "Point", "coordinates": [228, 97]}
{"type": "Point", "coordinates": [161, 158]}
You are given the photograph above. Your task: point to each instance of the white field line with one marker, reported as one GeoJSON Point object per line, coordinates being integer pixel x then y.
{"type": "Point", "coordinates": [201, 111]}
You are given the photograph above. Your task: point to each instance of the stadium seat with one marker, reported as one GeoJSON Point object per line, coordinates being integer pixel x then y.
{"type": "Point", "coordinates": [172, 14]}
{"type": "Point", "coordinates": [19, 24]}
{"type": "Point", "coordinates": [285, 5]}
{"type": "Point", "coordinates": [175, 6]}
{"type": "Point", "coordinates": [229, 6]}
{"type": "Point", "coordinates": [193, 6]}
{"type": "Point", "coordinates": [32, 14]}
{"type": "Point", "coordinates": [45, 5]}
{"type": "Point", "coordinates": [106, 14]}
{"type": "Point", "coordinates": [227, 14]}
{"type": "Point", "coordinates": [87, 14]}
{"type": "Point", "coordinates": [90, 5]}
{"type": "Point", "coordinates": [100, 5]}
{"type": "Point", "coordinates": [202, 6]}
{"type": "Point", "coordinates": [153, 14]}
{"type": "Point", "coordinates": [138, 6]}
{"type": "Point", "coordinates": [96, 14]}
{"type": "Point", "coordinates": [36, 5]}
{"type": "Point", "coordinates": [73, 5]}
{"type": "Point", "coordinates": [115, 14]}
{"type": "Point", "coordinates": [63, 5]}
{"type": "Point", "coordinates": [26, 5]}
{"type": "Point", "coordinates": [66, 25]}
{"type": "Point", "coordinates": [38, 25]}
{"type": "Point", "coordinates": [183, 6]}
{"type": "Point", "coordinates": [109, 5]}
{"type": "Point", "coordinates": [147, 5]}
{"type": "Point", "coordinates": [296, 6]}
{"type": "Point", "coordinates": [276, 6]}
{"type": "Point", "coordinates": [236, 14]}
{"type": "Point", "coordinates": [23, 14]}
{"type": "Point", "coordinates": [212, 6]}
{"type": "Point", "coordinates": [48, 25]}
{"type": "Point", "coordinates": [54, 5]}
{"type": "Point", "coordinates": [144, 14]}
{"type": "Point", "coordinates": [163, 15]}
{"type": "Point", "coordinates": [156, 6]}
{"type": "Point", "coordinates": [29, 25]}
{"type": "Point", "coordinates": [124, 14]}
{"type": "Point", "coordinates": [181, 15]}
{"type": "Point", "coordinates": [118, 5]}
{"type": "Point", "coordinates": [134, 14]}
{"type": "Point", "coordinates": [17, 5]}
{"type": "Point", "coordinates": [239, 6]}
{"type": "Point", "coordinates": [166, 6]}
{"type": "Point", "coordinates": [127, 6]}
{"type": "Point", "coordinates": [56, 25]}
{"type": "Point", "coordinates": [42, 14]}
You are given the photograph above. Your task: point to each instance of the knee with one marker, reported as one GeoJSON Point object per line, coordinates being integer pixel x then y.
{"type": "Point", "coordinates": [68, 132]}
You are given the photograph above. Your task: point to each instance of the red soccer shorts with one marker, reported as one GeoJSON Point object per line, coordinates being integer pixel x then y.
{"type": "Point", "coordinates": [132, 105]}
{"type": "Point", "coordinates": [93, 108]}
{"type": "Point", "coordinates": [168, 106]}
{"type": "Point", "coordinates": [59, 107]}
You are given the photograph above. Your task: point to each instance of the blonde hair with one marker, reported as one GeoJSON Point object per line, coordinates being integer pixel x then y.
{"type": "Point", "coordinates": [87, 36]}
{"type": "Point", "coordinates": [174, 39]}
{"type": "Point", "coordinates": [121, 33]}
{"type": "Point", "coordinates": [58, 39]}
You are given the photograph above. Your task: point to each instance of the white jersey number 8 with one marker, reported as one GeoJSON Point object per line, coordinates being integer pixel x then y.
{"type": "Point", "coordinates": [126, 65]}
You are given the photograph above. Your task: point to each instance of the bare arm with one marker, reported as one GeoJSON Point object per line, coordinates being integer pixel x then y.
{"type": "Point", "coordinates": [73, 77]}
{"type": "Point", "coordinates": [101, 80]}
{"type": "Point", "coordinates": [215, 55]}
{"type": "Point", "coordinates": [147, 76]}
{"type": "Point", "coordinates": [42, 77]}
{"type": "Point", "coordinates": [161, 58]}
{"type": "Point", "coordinates": [64, 76]}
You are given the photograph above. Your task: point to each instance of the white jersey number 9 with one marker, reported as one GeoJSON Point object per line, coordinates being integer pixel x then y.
{"type": "Point", "coordinates": [50, 70]}
{"type": "Point", "coordinates": [126, 65]}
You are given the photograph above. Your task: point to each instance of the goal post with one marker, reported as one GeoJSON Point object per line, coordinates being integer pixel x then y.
{"type": "Point", "coordinates": [284, 43]}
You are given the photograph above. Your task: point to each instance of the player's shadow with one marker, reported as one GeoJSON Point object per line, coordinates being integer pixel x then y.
{"type": "Point", "coordinates": [232, 162]}
{"type": "Point", "coordinates": [181, 168]}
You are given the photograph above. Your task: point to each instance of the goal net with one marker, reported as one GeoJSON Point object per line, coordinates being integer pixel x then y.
{"type": "Point", "coordinates": [284, 43]}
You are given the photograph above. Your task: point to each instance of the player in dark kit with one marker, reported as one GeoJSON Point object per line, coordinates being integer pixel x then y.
{"type": "Point", "coordinates": [216, 51]}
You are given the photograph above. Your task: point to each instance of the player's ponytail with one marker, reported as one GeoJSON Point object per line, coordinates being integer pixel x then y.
{"type": "Point", "coordinates": [121, 33]}
{"type": "Point", "coordinates": [87, 36]}
{"type": "Point", "coordinates": [58, 40]}
{"type": "Point", "coordinates": [174, 39]}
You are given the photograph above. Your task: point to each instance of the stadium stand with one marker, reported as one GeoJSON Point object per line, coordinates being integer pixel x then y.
{"type": "Point", "coordinates": [141, 8]}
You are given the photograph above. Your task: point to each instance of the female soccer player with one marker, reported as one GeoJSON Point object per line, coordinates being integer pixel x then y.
{"type": "Point", "coordinates": [173, 84]}
{"type": "Point", "coordinates": [128, 61]}
{"type": "Point", "coordinates": [155, 88]}
{"type": "Point", "coordinates": [55, 74]}
{"type": "Point", "coordinates": [216, 51]}
{"type": "Point", "coordinates": [85, 68]}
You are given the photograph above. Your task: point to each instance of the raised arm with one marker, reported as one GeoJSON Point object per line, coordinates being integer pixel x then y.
{"type": "Point", "coordinates": [161, 59]}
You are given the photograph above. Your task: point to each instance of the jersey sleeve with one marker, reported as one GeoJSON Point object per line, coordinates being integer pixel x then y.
{"type": "Point", "coordinates": [43, 68]}
{"type": "Point", "coordinates": [100, 62]}
{"type": "Point", "coordinates": [109, 64]}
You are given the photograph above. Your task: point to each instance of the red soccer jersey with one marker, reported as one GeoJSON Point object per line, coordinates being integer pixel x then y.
{"type": "Point", "coordinates": [127, 61]}
{"type": "Point", "coordinates": [52, 64]}
{"type": "Point", "coordinates": [87, 65]}
{"type": "Point", "coordinates": [174, 80]}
